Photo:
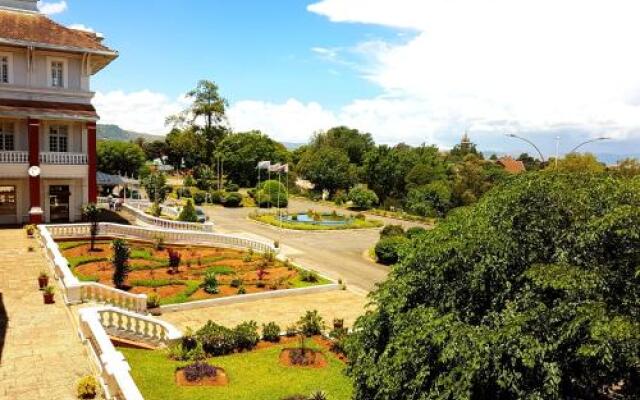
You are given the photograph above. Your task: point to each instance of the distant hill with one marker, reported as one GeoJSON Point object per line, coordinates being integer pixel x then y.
{"type": "Point", "coordinates": [292, 146]}
{"type": "Point", "coordinates": [114, 132]}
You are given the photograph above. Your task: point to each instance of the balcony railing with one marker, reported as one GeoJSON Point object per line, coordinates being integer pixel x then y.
{"type": "Point", "coordinates": [14, 157]}
{"type": "Point", "coordinates": [63, 158]}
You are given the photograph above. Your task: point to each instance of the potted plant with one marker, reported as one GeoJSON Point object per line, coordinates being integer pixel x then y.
{"type": "Point", "coordinates": [43, 280]}
{"type": "Point", "coordinates": [31, 229]}
{"type": "Point", "coordinates": [48, 294]}
{"type": "Point", "coordinates": [338, 323]}
{"type": "Point", "coordinates": [153, 304]}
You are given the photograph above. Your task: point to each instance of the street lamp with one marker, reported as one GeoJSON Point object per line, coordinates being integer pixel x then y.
{"type": "Point", "coordinates": [587, 142]}
{"type": "Point", "coordinates": [512, 135]}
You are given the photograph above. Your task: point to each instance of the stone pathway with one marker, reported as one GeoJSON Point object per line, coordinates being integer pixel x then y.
{"type": "Point", "coordinates": [41, 355]}
{"type": "Point", "coordinates": [284, 311]}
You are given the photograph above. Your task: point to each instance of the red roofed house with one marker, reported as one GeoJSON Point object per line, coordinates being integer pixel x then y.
{"type": "Point", "coordinates": [511, 165]}
{"type": "Point", "coordinates": [47, 122]}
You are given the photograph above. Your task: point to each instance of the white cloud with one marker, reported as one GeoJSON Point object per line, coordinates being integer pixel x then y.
{"type": "Point", "coordinates": [143, 111]}
{"type": "Point", "coordinates": [291, 121]}
{"type": "Point", "coordinates": [51, 8]}
{"type": "Point", "coordinates": [534, 65]}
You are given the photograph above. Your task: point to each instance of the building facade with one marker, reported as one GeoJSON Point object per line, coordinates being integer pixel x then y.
{"type": "Point", "coordinates": [47, 122]}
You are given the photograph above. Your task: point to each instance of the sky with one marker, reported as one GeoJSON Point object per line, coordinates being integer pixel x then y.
{"type": "Point", "coordinates": [413, 71]}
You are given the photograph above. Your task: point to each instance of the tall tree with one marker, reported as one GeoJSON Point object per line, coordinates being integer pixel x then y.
{"type": "Point", "coordinates": [355, 143]}
{"type": "Point", "coordinates": [531, 294]}
{"type": "Point", "coordinates": [207, 106]}
{"type": "Point", "coordinates": [577, 163]}
{"type": "Point", "coordinates": [116, 157]}
{"type": "Point", "coordinates": [328, 168]}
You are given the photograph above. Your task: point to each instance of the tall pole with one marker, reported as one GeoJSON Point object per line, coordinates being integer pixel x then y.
{"type": "Point", "coordinates": [257, 197]}
{"type": "Point", "coordinates": [528, 141]}
{"type": "Point", "coordinates": [587, 142]}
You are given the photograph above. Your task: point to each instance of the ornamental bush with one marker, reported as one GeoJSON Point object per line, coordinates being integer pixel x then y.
{"type": "Point", "coordinates": [232, 199]}
{"type": "Point", "coordinates": [120, 262]}
{"type": "Point", "coordinates": [188, 213]}
{"type": "Point", "coordinates": [210, 282]}
{"type": "Point", "coordinates": [198, 371]}
{"type": "Point", "coordinates": [392, 230]}
{"type": "Point", "coordinates": [271, 332]}
{"type": "Point", "coordinates": [532, 293]}
{"type": "Point", "coordinates": [246, 335]}
{"type": "Point", "coordinates": [363, 198]}
{"type": "Point", "coordinates": [311, 323]}
{"type": "Point", "coordinates": [388, 249]}
{"type": "Point", "coordinates": [216, 340]}
{"type": "Point", "coordinates": [271, 194]}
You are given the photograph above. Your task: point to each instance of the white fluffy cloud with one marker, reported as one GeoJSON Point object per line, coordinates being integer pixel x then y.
{"type": "Point", "coordinates": [52, 7]}
{"type": "Point", "coordinates": [534, 65]}
{"type": "Point", "coordinates": [143, 111]}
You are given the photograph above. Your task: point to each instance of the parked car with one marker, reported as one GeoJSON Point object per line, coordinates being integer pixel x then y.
{"type": "Point", "coordinates": [202, 217]}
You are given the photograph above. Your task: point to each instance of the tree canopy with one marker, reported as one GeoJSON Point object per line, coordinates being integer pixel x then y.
{"type": "Point", "coordinates": [115, 157]}
{"type": "Point", "coordinates": [242, 152]}
{"type": "Point", "coordinates": [328, 168]}
{"type": "Point", "coordinates": [533, 293]}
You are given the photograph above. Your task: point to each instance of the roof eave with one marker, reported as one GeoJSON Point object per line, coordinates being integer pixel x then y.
{"type": "Point", "coordinates": [25, 43]}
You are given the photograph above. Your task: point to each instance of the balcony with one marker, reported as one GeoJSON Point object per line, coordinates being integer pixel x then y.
{"type": "Point", "coordinates": [63, 158]}
{"type": "Point", "coordinates": [14, 157]}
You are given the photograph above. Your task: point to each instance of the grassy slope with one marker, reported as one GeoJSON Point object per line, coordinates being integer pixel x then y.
{"type": "Point", "coordinates": [254, 375]}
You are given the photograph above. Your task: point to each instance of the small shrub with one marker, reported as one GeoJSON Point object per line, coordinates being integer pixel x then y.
{"type": "Point", "coordinates": [339, 337]}
{"type": "Point", "coordinates": [231, 187]}
{"type": "Point", "coordinates": [87, 387]}
{"type": "Point", "coordinates": [188, 213]}
{"type": "Point", "coordinates": [189, 340]}
{"type": "Point", "coordinates": [236, 282]}
{"type": "Point", "coordinates": [199, 198]}
{"type": "Point", "coordinates": [155, 210]}
{"type": "Point", "coordinates": [183, 192]}
{"type": "Point", "coordinates": [216, 339]}
{"type": "Point", "coordinates": [246, 335]}
{"type": "Point", "coordinates": [197, 353]}
{"type": "Point", "coordinates": [233, 199]}
{"type": "Point", "coordinates": [271, 332]}
{"type": "Point", "coordinates": [311, 323]}
{"type": "Point", "coordinates": [210, 282]}
{"type": "Point", "coordinates": [318, 395]}
{"type": "Point", "coordinates": [269, 256]}
{"type": "Point", "coordinates": [174, 260]}
{"type": "Point", "coordinates": [392, 230]}
{"type": "Point", "coordinates": [387, 249]}
{"type": "Point", "coordinates": [216, 196]}
{"type": "Point", "coordinates": [363, 198]}
{"type": "Point", "coordinates": [153, 300]}
{"type": "Point", "coordinates": [260, 284]}
{"type": "Point", "coordinates": [242, 290]}
{"type": "Point", "coordinates": [248, 257]}
{"type": "Point", "coordinates": [309, 276]}
{"type": "Point", "coordinates": [178, 352]}
{"type": "Point", "coordinates": [291, 331]}
{"type": "Point", "coordinates": [198, 371]}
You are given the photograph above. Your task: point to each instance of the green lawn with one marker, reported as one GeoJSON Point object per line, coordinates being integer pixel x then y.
{"type": "Point", "coordinates": [256, 375]}
{"type": "Point", "coordinates": [271, 219]}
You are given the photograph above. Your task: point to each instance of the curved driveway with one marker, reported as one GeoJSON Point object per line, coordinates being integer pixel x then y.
{"type": "Point", "coordinates": [338, 253]}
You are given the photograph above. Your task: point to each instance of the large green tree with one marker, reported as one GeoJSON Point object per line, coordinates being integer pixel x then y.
{"type": "Point", "coordinates": [185, 148]}
{"type": "Point", "coordinates": [242, 152]}
{"type": "Point", "coordinates": [206, 115]}
{"type": "Point", "coordinates": [116, 157]}
{"type": "Point", "coordinates": [577, 163]}
{"type": "Point", "coordinates": [355, 143]}
{"type": "Point", "coordinates": [327, 168]}
{"type": "Point", "coordinates": [533, 293]}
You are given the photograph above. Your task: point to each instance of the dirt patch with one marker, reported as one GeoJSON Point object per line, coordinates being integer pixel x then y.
{"type": "Point", "coordinates": [302, 358]}
{"type": "Point", "coordinates": [220, 379]}
{"type": "Point", "coordinates": [327, 345]}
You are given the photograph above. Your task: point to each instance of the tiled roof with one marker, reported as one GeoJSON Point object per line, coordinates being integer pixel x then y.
{"type": "Point", "coordinates": [38, 29]}
{"type": "Point", "coordinates": [511, 165]}
{"type": "Point", "coordinates": [48, 109]}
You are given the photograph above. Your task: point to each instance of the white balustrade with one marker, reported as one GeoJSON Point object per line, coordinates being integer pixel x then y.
{"type": "Point", "coordinates": [14, 157]}
{"type": "Point", "coordinates": [63, 158]}
{"type": "Point", "coordinates": [147, 219]}
{"type": "Point", "coordinates": [113, 367]}
{"type": "Point", "coordinates": [118, 321]}
{"type": "Point", "coordinates": [92, 291]}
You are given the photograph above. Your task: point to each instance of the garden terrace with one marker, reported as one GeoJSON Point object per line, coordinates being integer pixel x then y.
{"type": "Point", "coordinates": [236, 271]}
{"type": "Point", "coordinates": [255, 374]}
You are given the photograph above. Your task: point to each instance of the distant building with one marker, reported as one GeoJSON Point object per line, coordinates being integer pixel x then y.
{"type": "Point", "coordinates": [510, 165]}
{"type": "Point", "coordinates": [47, 123]}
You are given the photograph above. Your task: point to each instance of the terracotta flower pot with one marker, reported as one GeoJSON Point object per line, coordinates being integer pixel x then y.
{"type": "Point", "coordinates": [48, 298]}
{"type": "Point", "coordinates": [43, 281]}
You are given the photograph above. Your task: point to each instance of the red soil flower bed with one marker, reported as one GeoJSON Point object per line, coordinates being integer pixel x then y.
{"type": "Point", "coordinates": [150, 273]}
{"type": "Point", "coordinates": [220, 379]}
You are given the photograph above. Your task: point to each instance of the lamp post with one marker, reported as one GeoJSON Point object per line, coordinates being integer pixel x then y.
{"type": "Point", "coordinates": [587, 142]}
{"type": "Point", "coordinates": [512, 135]}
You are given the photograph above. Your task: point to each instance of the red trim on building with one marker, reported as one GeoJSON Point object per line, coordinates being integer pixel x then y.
{"type": "Point", "coordinates": [35, 212]}
{"type": "Point", "coordinates": [93, 162]}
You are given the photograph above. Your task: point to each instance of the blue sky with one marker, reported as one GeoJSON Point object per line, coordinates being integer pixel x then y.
{"type": "Point", "coordinates": [409, 71]}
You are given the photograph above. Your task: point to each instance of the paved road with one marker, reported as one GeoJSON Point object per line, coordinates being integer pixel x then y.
{"type": "Point", "coordinates": [338, 254]}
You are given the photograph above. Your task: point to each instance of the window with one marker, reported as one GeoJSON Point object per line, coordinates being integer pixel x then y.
{"type": "Point", "coordinates": [7, 200]}
{"type": "Point", "coordinates": [58, 139]}
{"type": "Point", "coordinates": [5, 68]}
{"type": "Point", "coordinates": [7, 141]}
{"type": "Point", "coordinates": [57, 74]}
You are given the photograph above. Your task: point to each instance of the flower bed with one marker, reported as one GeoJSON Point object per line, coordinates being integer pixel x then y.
{"type": "Point", "coordinates": [312, 221]}
{"type": "Point", "coordinates": [234, 271]}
